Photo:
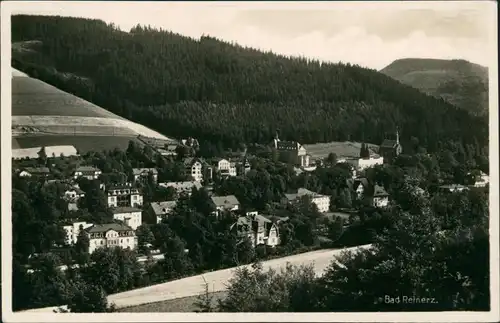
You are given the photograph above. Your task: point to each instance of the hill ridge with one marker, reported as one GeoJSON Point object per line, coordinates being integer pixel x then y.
{"type": "Point", "coordinates": [227, 94]}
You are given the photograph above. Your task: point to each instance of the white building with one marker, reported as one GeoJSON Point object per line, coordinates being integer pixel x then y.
{"type": "Point", "coordinates": [292, 151]}
{"type": "Point", "coordinates": [321, 201]}
{"type": "Point", "coordinates": [131, 216]}
{"type": "Point", "coordinates": [361, 164]}
{"type": "Point", "coordinates": [453, 188]}
{"type": "Point", "coordinates": [225, 203]}
{"type": "Point", "coordinates": [259, 229]}
{"type": "Point", "coordinates": [482, 180]}
{"type": "Point", "coordinates": [182, 187]}
{"type": "Point", "coordinates": [380, 197]}
{"type": "Point", "coordinates": [124, 195]}
{"type": "Point", "coordinates": [163, 209]}
{"type": "Point", "coordinates": [143, 174]}
{"type": "Point", "coordinates": [194, 168]}
{"type": "Point", "coordinates": [88, 172]}
{"type": "Point", "coordinates": [73, 230]}
{"type": "Point", "coordinates": [111, 235]}
{"type": "Point", "coordinates": [74, 193]}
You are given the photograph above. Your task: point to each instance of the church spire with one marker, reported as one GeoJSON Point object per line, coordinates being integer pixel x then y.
{"type": "Point", "coordinates": [397, 135]}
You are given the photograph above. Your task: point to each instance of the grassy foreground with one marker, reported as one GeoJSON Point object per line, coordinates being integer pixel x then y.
{"type": "Point", "coordinates": [184, 304]}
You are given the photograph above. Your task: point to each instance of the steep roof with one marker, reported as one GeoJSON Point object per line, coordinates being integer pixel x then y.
{"type": "Point", "coordinates": [287, 145]}
{"type": "Point", "coordinates": [37, 169]}
{"type": "Point", "coordinates": [225, 201]}
{"type": "Point", "coordinates": [159, 208]}
{"type": "Point", "coordinates": [388, 143]}
{"type": "Point", "coordinates": [379, 191]}
{"type": "Point", "coordinates": [302, 192]}
{"type": "Point", "coordinates": [102, 228]}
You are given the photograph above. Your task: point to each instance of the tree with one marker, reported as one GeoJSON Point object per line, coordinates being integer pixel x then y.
{"type": "Point", "coordinates": [145, 237]}
{"type": "Point", "coordinates": [364, 152]}
{"type": "Point", "coordinates": [42, 156]}
{"type": "Point", "coordinates": [256, 290]}
{"type": "Point", "coordinates": [204, 302]}
{"type": "Point", "coordinates": [336, 228]}
{"type": "Point", "coordinates": [82, 246]}
{"type": "Point", "coordinates": [89, 299]}
{"type": "Point", "coordinates": [331, 159]}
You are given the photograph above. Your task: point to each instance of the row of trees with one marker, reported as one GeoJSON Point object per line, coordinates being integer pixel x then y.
{"type": "Point", "coordinates": [227, 93]}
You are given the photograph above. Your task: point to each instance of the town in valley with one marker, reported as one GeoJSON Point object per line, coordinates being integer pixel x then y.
{"type": "Point", "coordinates": [154, 172]}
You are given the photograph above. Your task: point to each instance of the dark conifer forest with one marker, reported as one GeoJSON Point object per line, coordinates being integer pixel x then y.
{"type": "Point", "coordinates": [229, 94]}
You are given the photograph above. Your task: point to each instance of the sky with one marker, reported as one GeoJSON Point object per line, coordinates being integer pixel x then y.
{"type": "Point", "coordinates": [368, 34]}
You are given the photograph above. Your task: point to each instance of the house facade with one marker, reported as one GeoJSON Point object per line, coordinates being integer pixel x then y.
{"type": "Point", "coordinates": [194, 168]}
{"type": "Point", "coordinates": [88, 172]}
{"type": "Point", "coordinates": [73, 230]}
{"type": "Point", "coordinates": [482, 180]}
{"type": "Point", "coordinates": [321, 201]}
{"type": "Point", "coordinates": [225, 203]}
{"type": "Point", "coordinates": [291, 152]}
{"type": "Point", "coordinates": [163, 209]}
{"type": "Point", "coordinates": [452, 188]}
{"type": "Point", "coordinates": [259, 229]}
{"type": "Point", "coordinates": [372, 194]}
{"type": "Point", "coordinates": [131, 216]}
{"type": "Point", "coordinates": [111, 235]}
{"type": "Point", "coordinates": [124, 195]}
{"type": "Point", "coordinates": [141, 174]}
{"type": "Point", "coordinates": [361, 164]}
{"type": "Point", "coordinates": [35, 171]}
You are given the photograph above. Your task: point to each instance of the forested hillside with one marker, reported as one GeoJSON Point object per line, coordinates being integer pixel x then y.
{"type": "Point", "coordinates": [459, 82]}
{"type": "Point", "coordinates": [225, 93]}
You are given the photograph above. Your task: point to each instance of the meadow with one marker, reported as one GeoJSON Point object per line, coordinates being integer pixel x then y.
{"type": "Point", "coordinates": [82, 143]}
{"type": "Point", "coordinates": [341, 149]}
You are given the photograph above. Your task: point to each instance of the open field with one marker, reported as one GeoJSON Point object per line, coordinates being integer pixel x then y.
{"type": "Point", "coordinates": [82, 143]}
{"type": "Point", "coordinates": [43, 115]}
{"type": "Point", "coordinates": [179, 305]}
{"type": "Point", "coordinates": [341, 149]}
{"type": "Point", "coordinates": [217, 280]}
{"type": "Point", "coordinates": [34, 97]}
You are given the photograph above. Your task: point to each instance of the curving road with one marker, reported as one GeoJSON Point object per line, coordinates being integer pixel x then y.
{"type": "Point", "coordinates": [217, 280]}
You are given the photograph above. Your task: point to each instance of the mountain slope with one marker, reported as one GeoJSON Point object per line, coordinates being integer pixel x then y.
{"type": "Point", "coordinates": [43, 115]}
{"type": "Point", "coordinates": [459, 82]}
{"type": "Point", "coordinates": [226, 94]}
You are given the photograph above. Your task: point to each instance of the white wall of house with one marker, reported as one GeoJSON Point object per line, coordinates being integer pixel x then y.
{"type": "Point", "coordinates": [112, 201]}
{"type": "Point", "coordinates": [273, 238]}
{"type": "Point", "coordinates": [24, 174]}
{"type": "Point", "coordinates": [132, 219]}
{"type": "Point", "coordinates": [322, 202]}
{"type": "Point", "coordinates": [112, 239]}
{"type": "Point", "coordinates": [73, 230]}
{"type": "Point", "coordinates": [371, 162]}
{"type": "Point", "coordinates": [195, 171]}
{"type": "Point", "coordinates": [381, 201]}
{"type": "Point", "coordinates": [482, 180]}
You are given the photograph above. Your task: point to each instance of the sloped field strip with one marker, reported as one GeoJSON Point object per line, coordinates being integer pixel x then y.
{"type": "Point", "coordinates": [82, 125]}
{"type": "Point", "coordinates": [83, 143]}
{"type": "Point", "coordinates": [217, 280]}
{"type": "Point", "coordinates": [34, 97]}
